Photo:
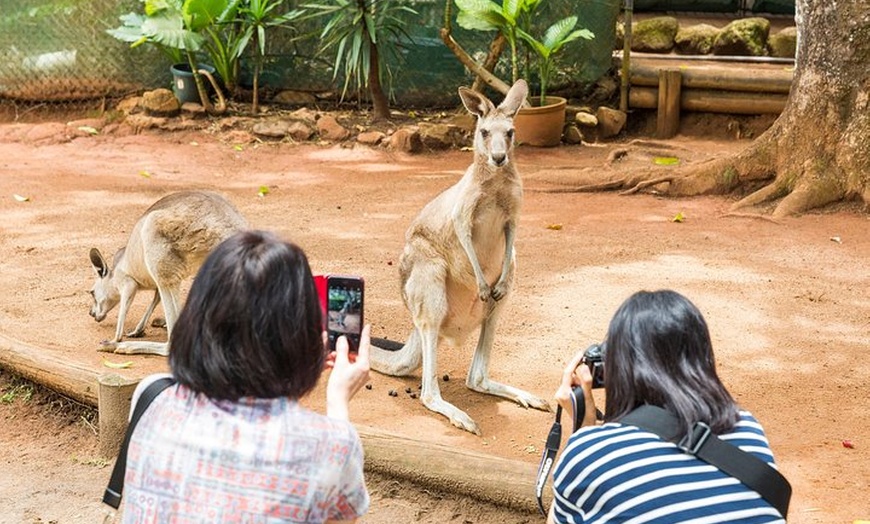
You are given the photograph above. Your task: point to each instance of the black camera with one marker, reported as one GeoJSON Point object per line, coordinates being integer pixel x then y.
{"type": "Point", "coordinates": [593, 357]}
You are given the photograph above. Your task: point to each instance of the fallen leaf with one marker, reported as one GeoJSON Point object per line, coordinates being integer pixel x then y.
{"type": "Point", "coordinates": [837, 240]}
{"type": "Point", "coordinates": [679, 217]}
{"type": "Point", "coordinates": [194, 143]}
{"type": "Point", "coordinates": [848, 444]}
{"type": "Point", "coordinates": [118, 365]}
{"type": "Point", "coordinates": [238, 147]}
{"type": "Point", "coordinates": [412, 114]}
{"type": "Point", "coordinates": [555, 227]}
{"type": "Point", "coordinates": [666, 160]}
{"type": "Point", "coordinates": [144, 174]}
{"type": "Point", "coordinates": [89, 130]}
{"type": "Point", "coordinates": [263, 191]}
{"type": "Point", "coordinates": [21, 198]}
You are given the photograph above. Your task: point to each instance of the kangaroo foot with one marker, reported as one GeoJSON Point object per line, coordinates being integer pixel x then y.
{"type": "Point", "coordinates": [107, 346]}
{"type": "Point", "coordinates": [457, 417]}
{"type": "Point", "coordinates": [523, 398]}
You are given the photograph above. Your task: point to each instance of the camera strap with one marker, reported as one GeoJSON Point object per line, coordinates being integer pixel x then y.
{"type": "Point", "coordinates": [755, 473]}
{"type": "Point", "coordinates": [554, 440]}
{"type": "Point", "coordinates": [112, 495]}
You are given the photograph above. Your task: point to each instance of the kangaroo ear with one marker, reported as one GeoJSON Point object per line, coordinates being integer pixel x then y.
{"type": "Point", "coordinates": [515, 98]}
{"type": "Point", "coordinates": [476, 103]}
{"type": "Point", "coordinates": [99, 263]}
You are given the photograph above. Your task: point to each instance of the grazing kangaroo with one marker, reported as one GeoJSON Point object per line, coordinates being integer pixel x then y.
{"type": "Point", "coordinates": [458, 263]}
{"type": "Point", "coordinates": [167, 245]}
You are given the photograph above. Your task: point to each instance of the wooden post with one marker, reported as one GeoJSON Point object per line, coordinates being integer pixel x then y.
{"type": "Point", "coordinates": [115, 395]}
{"type": "Point", "coordinates": [668, 116]}
{"type": "Point", "coordinates": [626, 57]}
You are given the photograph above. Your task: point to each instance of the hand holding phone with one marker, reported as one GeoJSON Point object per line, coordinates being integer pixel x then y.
{"type": "Point", "coordinates": [343, 300]}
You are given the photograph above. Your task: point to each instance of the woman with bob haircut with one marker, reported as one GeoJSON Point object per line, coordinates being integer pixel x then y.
{"type": "Point", "coordinates": [658, 352]}
{"type": "Point", "coordinates": [230, 442]}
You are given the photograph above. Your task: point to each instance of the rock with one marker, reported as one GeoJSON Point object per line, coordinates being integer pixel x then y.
{"type": "Point", "coordinates": [696, 39]}
{"type": "Point", "coordinates": [407, 139]}
{"type": "Point", "coordinates": [160, 103]}
{"type": "Point", "coordinates": [466, 121]}
{"type": "Point", "coordinates": [271, 128]}
{"type": "Point", "coordinates": [294, 98]}
{"type": "Point", "coordinates": [744, 37]}
{"type": "Point", "coordinates": [370, 138]}
{"type": "Point", "coordinates": [585, 119]}
{"type": "Point", "coordinates": [440, 136]}
{"type": "Point", "coordinates": [572, 135]}
{"type": "Point", "coordinates": [610, 121]}
{"type": "Point", "coordinates": [194, 109]}
{"type": "Point", "coordinates": [129, 105]}
{"type": "Point", "coordinates": [654, 35]}
{"type": "Point", "coordinates": [236, 136]}
{"type": "Point", "coordinates": [304, 114]}
{"type": "Point", "coordinates": [784, 43]}
{"type": "Point", "coordinates": [330, 129]}
{"type": "Point", "coordinates": [300, 131]}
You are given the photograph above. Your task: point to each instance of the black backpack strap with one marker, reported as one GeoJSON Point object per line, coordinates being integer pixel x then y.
{"type": "Point", "coordinates": [112, 495]}
{"type": "Point", "coordinates": [755, 473]}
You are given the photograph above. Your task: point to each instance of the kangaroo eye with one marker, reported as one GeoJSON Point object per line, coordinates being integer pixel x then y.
{"type": "Point", "coordinates": [510, 133]}
{"type": "Point", "coordinates": [484, 133]}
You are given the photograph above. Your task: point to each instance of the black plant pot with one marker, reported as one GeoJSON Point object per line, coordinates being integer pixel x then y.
{"type": "Point", "coordinates": [183, 84]}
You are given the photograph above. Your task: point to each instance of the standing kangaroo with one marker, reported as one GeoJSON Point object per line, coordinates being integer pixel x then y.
{"type": "Point", "coordinates": [458, 263]}
{"type": "Point", "coordinates": [168, 244]}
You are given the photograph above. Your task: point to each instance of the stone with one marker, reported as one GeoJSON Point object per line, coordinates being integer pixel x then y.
{"type": "Point", "coordinates": [654, 35]}
{"type": "Point", "coordinates": [304, 114]}
{"type": "Point", "coordinates": [294, 98]}
{"type": "Point", "coordinates": [271, 128]}
{"type": "Point", "coordinates": [300, 131]}
{"type": "Point", "coordinates": [572, 135]}
{"type": "Point", "coordinates": [160, 103]}
{"type": "Point", "coordinates": [407, 140]}
{"type": "Point", "coordinates": [783, 44]}
{"type": "Point", "coordinates": [585, 119]}
{"type": "Point", "coordinates": [330, 129]}
{"type": "Point", "coordinates": [370, 138]}
{"type": "Point", "coordinates": [466, 121]}
{"type": "Point", "coordinates": [610, 121]}
{"type": "Point", "coordinates": [696, 39]}
{"type": "Point", "coordinates": [744, 37]}
{"type": "Point", "coordinates": [440, 136]}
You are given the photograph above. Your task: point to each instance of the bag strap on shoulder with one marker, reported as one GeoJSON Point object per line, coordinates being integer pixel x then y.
{"type": "Point", "coordinates": [112, 495]}
{"type": "Point", "coordinates": [755, 473]}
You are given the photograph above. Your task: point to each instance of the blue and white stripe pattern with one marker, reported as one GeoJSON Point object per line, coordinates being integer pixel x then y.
{"type": "Point", "coordinates": [617, 473]}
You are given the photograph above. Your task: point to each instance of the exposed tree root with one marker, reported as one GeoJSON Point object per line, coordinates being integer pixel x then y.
{"type": "Point", "coordinates": [647, 183]}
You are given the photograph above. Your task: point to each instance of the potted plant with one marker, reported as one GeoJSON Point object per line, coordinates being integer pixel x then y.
{"type": "Point", "coordinates": [180, 29]}
{"type": "Point", "coordinates": [541, 122]}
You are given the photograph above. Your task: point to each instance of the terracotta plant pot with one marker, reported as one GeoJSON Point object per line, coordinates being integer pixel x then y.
{"type": "Point", "coordinates": [541, 126]}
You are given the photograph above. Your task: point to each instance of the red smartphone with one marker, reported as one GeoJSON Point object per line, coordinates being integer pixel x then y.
{"type": "Point", "coordinates": [342, 300]}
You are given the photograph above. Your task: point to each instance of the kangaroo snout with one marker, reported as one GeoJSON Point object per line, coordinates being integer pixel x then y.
{"type": "Point", "coordinates": [498, 159]}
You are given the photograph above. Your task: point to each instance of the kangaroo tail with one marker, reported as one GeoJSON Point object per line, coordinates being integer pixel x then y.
{"type": "Point", "coordinates": [394, 358]}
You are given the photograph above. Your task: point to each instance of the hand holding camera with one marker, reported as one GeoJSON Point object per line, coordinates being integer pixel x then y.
{"type": "Point", "coordinates": [582, 374]}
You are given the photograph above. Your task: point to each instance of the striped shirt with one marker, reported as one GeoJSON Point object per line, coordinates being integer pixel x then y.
{"type": "Point", "coordinates": [196, 460]}
{"type": "Point", "coordinates": [619, 473]}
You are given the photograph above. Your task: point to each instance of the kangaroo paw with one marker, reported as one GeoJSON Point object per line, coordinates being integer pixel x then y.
{"type": "Point", "coordinates": [457, 417]}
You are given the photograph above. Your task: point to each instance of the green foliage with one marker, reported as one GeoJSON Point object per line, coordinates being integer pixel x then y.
{"type": "Point", "coordinates": [556, 36]}
{"type": "Point", "coordinates": [354, 29]}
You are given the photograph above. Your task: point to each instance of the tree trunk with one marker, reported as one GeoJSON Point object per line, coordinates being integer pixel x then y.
{"type": "Point", "coordinates": [380, 103]}
{"type": "Point", "coordinates": [817, 152]}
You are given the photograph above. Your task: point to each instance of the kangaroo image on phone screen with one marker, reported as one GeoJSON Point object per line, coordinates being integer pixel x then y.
{"type": "Point", "coordinates": [344, 309]}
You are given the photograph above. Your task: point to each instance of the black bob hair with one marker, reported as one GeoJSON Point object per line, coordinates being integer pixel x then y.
{"type": "Point", "coordinates": [251, 325]}
{"type": "Point", "coordinates": [659, 352]}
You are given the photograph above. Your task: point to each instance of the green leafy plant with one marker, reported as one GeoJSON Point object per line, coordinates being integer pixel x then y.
{"type": "Point", "coordinates": [255, 17]}
{"type": "Point", "coordinates": [360, 31]}
{"type": "Point", "coordinates": [555, 37]}
{"type": "Point", "coordinates": [181, 28]}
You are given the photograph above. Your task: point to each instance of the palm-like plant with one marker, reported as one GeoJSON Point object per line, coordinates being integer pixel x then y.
{"type": "Point", "coordinates": [256, 17]}
{"type": "Point", "coordinates": [360, 30]}
{"type": "Point", "coordinates": [556, 36]}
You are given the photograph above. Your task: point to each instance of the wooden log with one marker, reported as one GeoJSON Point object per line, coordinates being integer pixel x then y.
{"type": "Point", "coordinates": [68, 378]}
{"type": "Point", "coordinates": [487, 478]}
{"type": "Point", "coordinates": [668, 118]}
{"type": "Point", "coordinates": [755, 80]}
{"type": "Point", "coordinates": [710, 101]}
{"type": "Point", "coordinates": [115, 397]}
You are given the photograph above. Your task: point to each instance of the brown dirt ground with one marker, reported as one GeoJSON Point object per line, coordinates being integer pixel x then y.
{"type": "Point", "coordinates": [787, 302]}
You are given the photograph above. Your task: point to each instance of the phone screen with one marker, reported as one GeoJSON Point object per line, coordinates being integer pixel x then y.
{"type": "Point", "coordinates": [344, 309]}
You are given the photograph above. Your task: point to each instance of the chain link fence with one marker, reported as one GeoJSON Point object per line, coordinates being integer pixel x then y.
{"type": "Point", "coordinates": [57, 53]}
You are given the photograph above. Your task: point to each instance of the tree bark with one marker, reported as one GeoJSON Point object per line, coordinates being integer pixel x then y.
{"type": "Point", "coordinates": [380, 103]}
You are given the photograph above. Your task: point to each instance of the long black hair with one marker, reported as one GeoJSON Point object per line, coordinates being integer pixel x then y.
{"type": "Point", "coordinates": [251, 324]}
{"type": "Point", "coordinates": [659, 352]}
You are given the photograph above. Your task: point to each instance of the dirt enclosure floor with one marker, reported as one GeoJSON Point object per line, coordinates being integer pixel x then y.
{"type": "Point", "coordinates": [787, 302]}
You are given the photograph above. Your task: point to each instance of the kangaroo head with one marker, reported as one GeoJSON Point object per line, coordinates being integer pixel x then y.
{"type": "Point", "coordinates": [104, 292]}
{"type": "Point", "coordinates": [494, 134]}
